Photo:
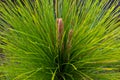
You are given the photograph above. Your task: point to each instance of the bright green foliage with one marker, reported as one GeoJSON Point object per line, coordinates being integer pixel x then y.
{"type": "Point", "coordinates": [33, 51]}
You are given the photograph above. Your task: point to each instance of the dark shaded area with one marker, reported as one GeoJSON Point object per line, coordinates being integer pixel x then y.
{"type": "Point", "coordinates": [1, 50]}
{"type": "Point", "coordinates": [2, 56]}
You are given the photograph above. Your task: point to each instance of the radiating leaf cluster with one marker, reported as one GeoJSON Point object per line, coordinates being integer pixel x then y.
{"type": "Point", "coordinates": [32, 51]}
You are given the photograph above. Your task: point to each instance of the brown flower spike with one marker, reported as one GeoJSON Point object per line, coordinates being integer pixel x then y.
{"type": "Point", "coordinates": [60, 28]}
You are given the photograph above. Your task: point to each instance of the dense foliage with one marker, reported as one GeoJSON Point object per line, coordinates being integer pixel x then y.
{"type": "Point", "coordinates": [65, 40]}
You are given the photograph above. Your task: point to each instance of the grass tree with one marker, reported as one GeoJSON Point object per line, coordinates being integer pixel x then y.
{"type": "Point", "coordinates": [68, 40]}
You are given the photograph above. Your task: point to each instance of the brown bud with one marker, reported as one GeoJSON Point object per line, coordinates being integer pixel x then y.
{"type": "Point", "coordinates": [69, 39]}
{"type": "Point", "coordinates": [70, 35]}
{"type": "Point", "coordinates": [60, 27]}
